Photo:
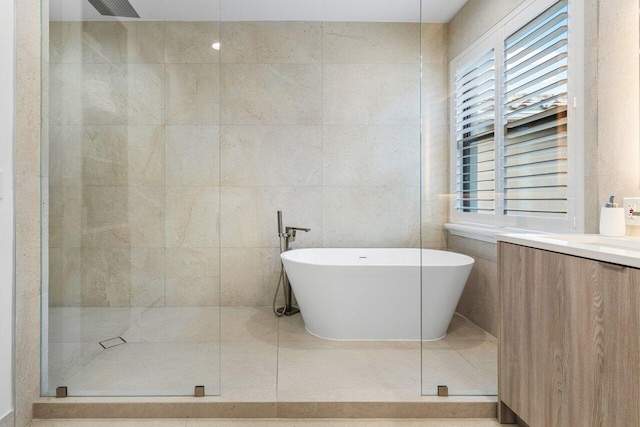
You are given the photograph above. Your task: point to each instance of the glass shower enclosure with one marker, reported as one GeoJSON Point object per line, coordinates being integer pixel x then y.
{"type": "Point", "coordinates": [172, 134]}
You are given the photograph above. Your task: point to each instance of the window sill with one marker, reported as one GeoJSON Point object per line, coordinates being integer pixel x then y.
{"type": "Point", "coordinates": [482, 232]}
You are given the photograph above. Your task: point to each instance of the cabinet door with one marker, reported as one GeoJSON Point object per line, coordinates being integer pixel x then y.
{"type": "Point", "coordinates": [569, 339]}
{"type": "Point", "coordinates": [585, 386]}
{"type": "Point", "coordinates": [622, 345]}
{"type": "Point", "coordinates": [534, 335]}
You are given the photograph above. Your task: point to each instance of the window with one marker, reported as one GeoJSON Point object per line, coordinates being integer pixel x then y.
{"type": "Point", "coordinates": [515, 163]}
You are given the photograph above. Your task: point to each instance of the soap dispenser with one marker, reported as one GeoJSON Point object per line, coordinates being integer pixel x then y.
{"type": "Point", "coordinates": [612, 221]}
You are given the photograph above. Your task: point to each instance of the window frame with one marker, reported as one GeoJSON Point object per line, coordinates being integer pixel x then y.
{"type": "Point", "coordinates": [495, 39]}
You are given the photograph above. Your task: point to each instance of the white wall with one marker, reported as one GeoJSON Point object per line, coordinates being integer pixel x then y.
{"type": "Point", "coordinates": [7, 64]}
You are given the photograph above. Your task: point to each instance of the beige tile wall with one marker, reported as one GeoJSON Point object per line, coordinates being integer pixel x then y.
{"type": "Point", "coordinates": [616, 66]}
{"type": "Point", "coordinates": [167, 168]}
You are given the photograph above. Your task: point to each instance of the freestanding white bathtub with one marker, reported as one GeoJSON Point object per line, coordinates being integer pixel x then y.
{"type": "Point", "coordinates": [374, 294]}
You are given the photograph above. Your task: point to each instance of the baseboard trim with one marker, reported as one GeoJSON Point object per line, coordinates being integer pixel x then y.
{"type": "Point", "coordinates": [210, 407]}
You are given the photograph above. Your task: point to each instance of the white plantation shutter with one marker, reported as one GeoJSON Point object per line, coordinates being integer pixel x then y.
{"type": "Point", "coordinates": [475, 123]}
{"type": "Point", "coordinates": [535, 153]}
{"type": "Point", "coordinates": [515, 135]}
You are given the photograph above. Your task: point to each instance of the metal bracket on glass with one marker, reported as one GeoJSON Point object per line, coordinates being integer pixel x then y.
{"type": "Point", "coordinates": [443, 391]}
{"type": "Point", "coordinates": [199, 391]}
{"type": "Point", "coordinates": [61, 392]}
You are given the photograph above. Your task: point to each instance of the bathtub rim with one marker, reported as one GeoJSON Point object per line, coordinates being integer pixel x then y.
{"type": "Point", "coordinates": [466, 260]}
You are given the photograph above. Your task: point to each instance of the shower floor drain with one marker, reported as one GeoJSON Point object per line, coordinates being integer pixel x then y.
{"type": "Point", "coordinates": [113, 342]}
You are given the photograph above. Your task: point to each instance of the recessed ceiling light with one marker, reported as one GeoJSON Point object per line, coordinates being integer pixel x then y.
{"type": "Point", "coordinates": [216, 45]}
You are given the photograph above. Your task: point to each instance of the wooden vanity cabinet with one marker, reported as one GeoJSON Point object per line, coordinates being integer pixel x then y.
{"type": "Point", "coordinates": [569, 340]}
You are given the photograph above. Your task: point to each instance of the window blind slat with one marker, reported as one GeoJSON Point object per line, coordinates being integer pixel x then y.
{"type": "Point", "coordinates": [543, 78]}
{"type": "Point", "coordinates": [477, 93]}
{"type": "Point", "coordinates": [477, 138]}
{"type": "Point", "coordinates": [540, 181]}
{"type": "Point", "coordinates": [481, 147]}
{"type": "Point", "coordinates": [539, 31]}
{"type": "Point", "coordinates": [520, 101]}
{"type": "Point", "coordinates": [474, 120]}
{"type": "Point", "coordinates": [472, 66]}
{"type": "Point", "coordinates": [531, 25]}
{"type": "Point", "coordinates": [551, 62]}
{"type": "Point", "coordinates": [482, 108]}
{"type": "Point", "coordinates": [534, 130]}
{"type": "Point", "coordinates": [535, 47]}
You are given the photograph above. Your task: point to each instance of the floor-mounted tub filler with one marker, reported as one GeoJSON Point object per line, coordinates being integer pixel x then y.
{"type": "Point", "coordinates": [376, 294]}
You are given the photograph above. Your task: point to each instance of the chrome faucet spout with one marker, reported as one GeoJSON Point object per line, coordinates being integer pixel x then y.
{"type": "Point", "coordinates": [291, 232]}
{"type": "Point", "coordinates": [306, 230]}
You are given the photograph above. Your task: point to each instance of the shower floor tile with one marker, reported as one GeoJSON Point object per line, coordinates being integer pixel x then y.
{"type": "Point", "coordinates": [260, 358]}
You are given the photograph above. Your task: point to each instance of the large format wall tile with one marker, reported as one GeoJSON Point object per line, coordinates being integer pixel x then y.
{"type": "Point", "coordinates": [192, 262]}
{"type": "Point", "coordinates": [121, 277]}
{"type": "Point", "coordinates": [104, 94]}
{"type": "Point", "coordinates": [122, 94]}
{"type": "Point", "coordinates": [105, 219]}
{"type": "Point", "coordinates": [65, 95]}
{"type": "Point", "coordinates": [371, 155]}
{"type": "Point", "coordinates": [193, 277]}
{"type": "Point", "coordinates": [190, 42]}
{"type": "Point", "coordinates": [248, 215]}
{"type": "Point", "coordinates": [371, 94]}
{"type": "Point", "coordinates": [64, 277]}
{"type": "Point", "coordinates": [122, 156]}
{"type": "Point", "coordinates": [271, 42]}
{"type": "Point", "coordinates": [107, 42]}
{"type": "Point", "coordinates": [193, 292]}
{"type": "Point", "coordinates": [117, 217]}
{"type": "Point", "coordinates": [192, 155]}
{"type": "Point", "coordinates": [65, 217]}
{"type": "Point", "coordinates": [271, 94]}
{"type": "Point", "coordinates": [105, 277]}
{"type": "Point", "coordinates": [371, 217]}
{"type": "Point", "coordinates": [65, 42]}
{"type": "Point", "coordinates": [249, 275]}
{"type": "Point", "coordinates": [65, 155]}
{"type": "Point", "coordinates": [192, 217]}
{"type": "Point", "coordinates": [371, 43]}
{"type": "Point", "coordinates": [271, 155]}
{"type": "Point", "coordinates": [192, 93]}
{"type": "Point", "coordinates": [147, 277]}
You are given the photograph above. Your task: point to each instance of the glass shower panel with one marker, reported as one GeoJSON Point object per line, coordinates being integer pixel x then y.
{"type": "Point", "coordinates": [458, 356]}
{"type": "Point", "coordinates": [131, 198]}
{"type": "Point", "coordinates": [320, 120]}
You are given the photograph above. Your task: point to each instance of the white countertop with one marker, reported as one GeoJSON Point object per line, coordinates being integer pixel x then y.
{"type": "Point", "coordinates": [614, 250]}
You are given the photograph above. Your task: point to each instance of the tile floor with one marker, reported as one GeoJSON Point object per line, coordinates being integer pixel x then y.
{"type": "Point", "coordinates": [260, 357]}
{"type": "Point", "coordinates": [270, 423]}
